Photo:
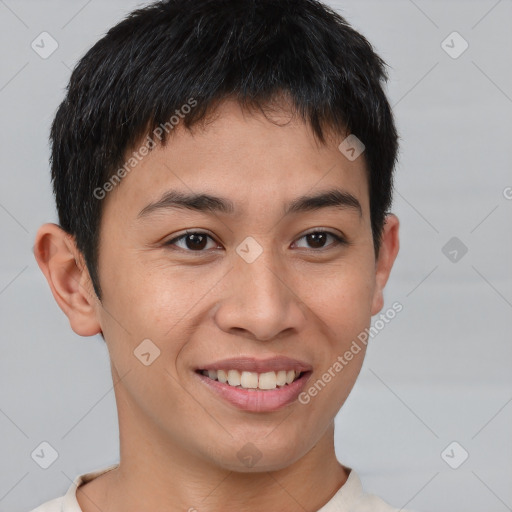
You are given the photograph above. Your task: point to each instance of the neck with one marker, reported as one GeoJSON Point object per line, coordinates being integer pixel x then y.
{"type": "Point", "coordinates": [156, 474]}
{"type": "Point", "coordinates": [180, 483]}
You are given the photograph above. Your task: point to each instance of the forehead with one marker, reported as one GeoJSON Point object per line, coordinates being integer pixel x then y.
{"type": "Point", "coordinates": [257, 163]}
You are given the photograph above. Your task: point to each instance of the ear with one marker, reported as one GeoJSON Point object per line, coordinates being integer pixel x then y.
{"type": "Point", "coordinates": [387, 254]}
{"type": "Point", "coordinates": [65, 270]}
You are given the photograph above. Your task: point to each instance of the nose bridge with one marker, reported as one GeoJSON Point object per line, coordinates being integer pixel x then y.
{"type": "Point", "coordinates": [259, 282]}
{"type": "Point", "coordinates": [258, 298]}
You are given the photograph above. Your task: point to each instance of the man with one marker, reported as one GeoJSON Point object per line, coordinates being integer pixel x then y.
{"type": "Point", "coordinates": [223, 174]}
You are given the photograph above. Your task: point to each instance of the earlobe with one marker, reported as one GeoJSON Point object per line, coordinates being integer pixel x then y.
{"type": "Point", "coordinates": [389, 248]}
{"type": "Point", "coordinates": [63, 266]}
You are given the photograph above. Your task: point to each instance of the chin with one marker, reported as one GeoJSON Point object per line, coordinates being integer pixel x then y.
{"type": "Point", "coordinates": [259, 456]}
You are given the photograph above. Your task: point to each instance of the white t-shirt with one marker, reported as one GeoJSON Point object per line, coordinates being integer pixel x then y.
{"type": "Point", "coordinates": [349, 498]}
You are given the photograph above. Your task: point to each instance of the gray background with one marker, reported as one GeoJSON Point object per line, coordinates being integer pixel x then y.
{"type": "Point", "coordinates": [439, 372]}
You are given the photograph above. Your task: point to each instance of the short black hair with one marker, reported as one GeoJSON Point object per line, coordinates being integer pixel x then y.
{"type": "Point", "coordinates": [153, 62]}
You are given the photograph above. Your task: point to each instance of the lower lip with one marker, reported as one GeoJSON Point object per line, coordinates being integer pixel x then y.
{"type": "Point", "coordinates": [257, 400]}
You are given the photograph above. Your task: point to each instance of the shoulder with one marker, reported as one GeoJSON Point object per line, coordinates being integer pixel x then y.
{"type": "Point", "coordinates": [54, 505]}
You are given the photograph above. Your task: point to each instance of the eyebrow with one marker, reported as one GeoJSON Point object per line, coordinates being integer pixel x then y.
{"type": "Point", "coordinates": [174, 199]}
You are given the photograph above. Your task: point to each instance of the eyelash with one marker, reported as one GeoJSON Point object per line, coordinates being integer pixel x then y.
{"type": "Point", "coordinates": [339, 240]}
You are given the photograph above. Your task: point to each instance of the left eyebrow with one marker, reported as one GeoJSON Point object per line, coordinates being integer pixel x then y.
{"type": "Point", "coordinates": [331, 198]}
{"type": "Point", "coordinates": [174, 199]}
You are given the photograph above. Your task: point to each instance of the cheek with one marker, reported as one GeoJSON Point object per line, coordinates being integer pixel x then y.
{"type": "Point", "coordinates": [341, 296]}
{"type": "Point", "coordinates": [145, 298]}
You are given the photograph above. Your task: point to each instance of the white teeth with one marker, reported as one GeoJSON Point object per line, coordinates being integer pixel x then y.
{"type": "Point", "coordinates": [268, 380]}
{"type": "Point", "coordinates": [234, 378]}
{"type": "Point", "coordinates": [281, 378]}
{"type": "Point", "coordinates": [253, 380]}
{"type": "Point", "coordinates": [249, 380]}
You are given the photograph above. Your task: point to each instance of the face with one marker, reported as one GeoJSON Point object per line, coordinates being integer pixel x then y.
{"type": "Point", "coordinates": [256, 286]}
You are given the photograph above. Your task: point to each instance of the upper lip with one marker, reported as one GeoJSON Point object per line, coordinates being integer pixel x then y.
{"type": "Point", "coordinates": [251, 364]}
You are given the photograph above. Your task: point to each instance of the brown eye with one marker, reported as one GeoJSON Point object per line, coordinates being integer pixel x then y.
{"type": "Point", "coordinates": [318, 239]}
{"type": "Point", "coordinates": [194, 241]}
{"type": "Point", "coordinates": [197, 241]}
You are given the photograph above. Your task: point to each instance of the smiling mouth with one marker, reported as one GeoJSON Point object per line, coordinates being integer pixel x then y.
{"type": "Point", "coordinates": [265, 381]}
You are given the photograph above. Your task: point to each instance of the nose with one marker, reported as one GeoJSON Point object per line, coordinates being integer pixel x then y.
{"type": "Point", "coordinates": [261, 300]}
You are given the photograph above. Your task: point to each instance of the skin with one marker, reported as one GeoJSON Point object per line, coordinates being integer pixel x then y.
{"type": "Point", "coordinates": [178, 440]}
